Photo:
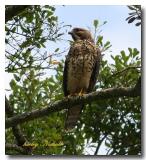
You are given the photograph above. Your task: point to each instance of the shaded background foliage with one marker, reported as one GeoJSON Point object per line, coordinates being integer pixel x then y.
{"type": "Point", "coordinates": [36, 83]}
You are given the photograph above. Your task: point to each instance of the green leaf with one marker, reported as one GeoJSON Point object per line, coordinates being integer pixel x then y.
{"type": "Point", "coordinates": [99, 41]}
{"type": "Point", "coordinates": [6, 28]}
{"type": "Point", "coordinates": [56, 50]}
{"type": "Point", "coordinates": [130, 50]}
{"type": "Point", "coordinates": [29, 18]}
{"type": "Point", "coordinates": [123, 54]}
{"type": "Point", "coordinates": [135, 52]}
{"type": "Point", "coordinates": [14, 29]}
{"type": "Point", "coordinates": [12, 83]}
{"type": "Point", "coordinates": [16, 78]}
{"type": "Point", "coordinates": [38, 33]}
{"type": "Point", "coordinates": [42, 44]}
{"type": "Point", "coordinates": [49, 13]}
{"type": "Point", "coordinates": [124, 57]}
{"type": "Point", "coordinates": [107, 144]}
{"type": "Point", "coordinates": [112, 57]}
{"type": "Point", "coordinates": [107, 44]}
{"type": "Point", "coordinates": [95, 23]}
{"type": "Point", "coordinates": [38, 45]}
{"type": "Point", "coordinates": [25, 44]}
{"type": "Point", "coordinates": [23, 29]}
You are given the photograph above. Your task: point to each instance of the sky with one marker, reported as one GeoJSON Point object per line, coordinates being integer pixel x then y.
{"type": "Point", "coordinates": [121, 34]}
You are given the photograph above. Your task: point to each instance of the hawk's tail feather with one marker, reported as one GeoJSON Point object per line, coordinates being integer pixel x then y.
{"type": "Point", "coordinates": [72, 117]}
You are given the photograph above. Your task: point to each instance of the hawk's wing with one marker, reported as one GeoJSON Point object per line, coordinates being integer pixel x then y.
{"type": "Point", "coordinates": [65, 72]}
{"type": "Point", "coordinates": [95, 72]}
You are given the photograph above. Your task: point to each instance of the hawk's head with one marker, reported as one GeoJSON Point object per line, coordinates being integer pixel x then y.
{"type": "Point", "coordinates": [81, 34]}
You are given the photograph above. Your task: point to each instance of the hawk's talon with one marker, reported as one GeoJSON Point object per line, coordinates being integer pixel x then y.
{"type": "Point", "coordinates": [81, 93]}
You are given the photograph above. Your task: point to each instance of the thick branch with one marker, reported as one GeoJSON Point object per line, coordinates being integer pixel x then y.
{"type": "Point", "coordinates": [71, 101]}
{"type": "Point", "coordinates": [16, 148]}
{"type": "Point", "coordinates": [138, 85]}
{"type": "Point", "coordinates": [16, 129]}
{"type": "Point", "coordinates": [12, 11]}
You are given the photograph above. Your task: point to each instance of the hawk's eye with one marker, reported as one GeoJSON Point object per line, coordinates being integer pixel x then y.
{"type": "Point", "coordinates": [77, 29]}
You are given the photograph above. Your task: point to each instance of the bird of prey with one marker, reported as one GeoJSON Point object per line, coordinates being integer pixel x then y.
{"type": "Point", "coordinates": [80, 71]}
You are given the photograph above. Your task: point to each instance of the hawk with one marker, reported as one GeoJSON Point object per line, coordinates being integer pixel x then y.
{"type": "Point", "coordinates": [80, 71]}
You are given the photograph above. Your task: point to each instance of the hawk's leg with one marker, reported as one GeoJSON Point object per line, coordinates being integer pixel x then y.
{"type": "Point", "coordinates": [81, 93]}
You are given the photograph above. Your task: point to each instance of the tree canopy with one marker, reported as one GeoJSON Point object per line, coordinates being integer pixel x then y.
{"type": "Point", "coordinates": [35, 106]}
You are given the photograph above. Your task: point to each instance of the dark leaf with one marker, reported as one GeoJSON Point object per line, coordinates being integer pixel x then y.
{"type": "Point", "coordinates": [129, 17]}
{"type": "Point", "coordinates": [138, 24]}
{"type": "Point", "coordinates": [29, 18]}
{"type": "Point", "coordinates": [131, 20]}
{"type": "Point", "coordinates": [133, 13]}
{"type": "Point", "coordinates": [131, 7]}
{"type": "Point", "coordinates": [104, 22]}
{"type": "Point", "coordinates": [14, 29]}
{"type": "Point", "coordinates": [137, 6]}
{"type": "Point", "coordinates": [139, 18]}
{"type": "Point", "coordinates": [16, 78]}
{"type": "Point", "coordinates": [56, 50]}
{"type": "Point", "coordinates": [6, 41]}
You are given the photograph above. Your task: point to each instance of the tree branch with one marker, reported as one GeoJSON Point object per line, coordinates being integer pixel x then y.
{"type": "Point", "coordinates": [138, 84]}
{"type": "Point", "coordinates": [16, 148]}
{"type": "Point", "coordinates": [124, 70]}
{"type": "Point", "coordinates": [99, 144]}
{"type": "Point", "coordinates": [16, 129]}
{"type": "Point", "coordinates": [12, 11]}
{"type": "Point", "coordinates": [71, 101]}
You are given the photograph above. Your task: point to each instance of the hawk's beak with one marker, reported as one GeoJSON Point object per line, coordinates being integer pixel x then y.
{"type": "Point", "coordinates": [70, 33]}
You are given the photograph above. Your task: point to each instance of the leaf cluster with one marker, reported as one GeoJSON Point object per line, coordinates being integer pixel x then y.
{"type": "Point", "coordinates": [135, 14]}
{"type": "Point", "coordinates": [27, 35]}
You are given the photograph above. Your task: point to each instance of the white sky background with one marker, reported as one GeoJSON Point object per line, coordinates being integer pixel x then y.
{"type": "Point", "coordinates": [121, 34]}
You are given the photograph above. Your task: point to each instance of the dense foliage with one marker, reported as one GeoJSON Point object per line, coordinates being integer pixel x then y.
{"type": "Point", "coordinates": [114, 123]}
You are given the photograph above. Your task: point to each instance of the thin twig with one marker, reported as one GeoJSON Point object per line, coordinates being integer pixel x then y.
{"type": "Point", "coordinates": [99, 144]}
{"type": "Point", "coordinates": [124, 70]}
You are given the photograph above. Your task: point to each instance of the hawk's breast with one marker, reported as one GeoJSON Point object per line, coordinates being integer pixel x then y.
{"type": "Point", "coordinates": [81, 61]}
